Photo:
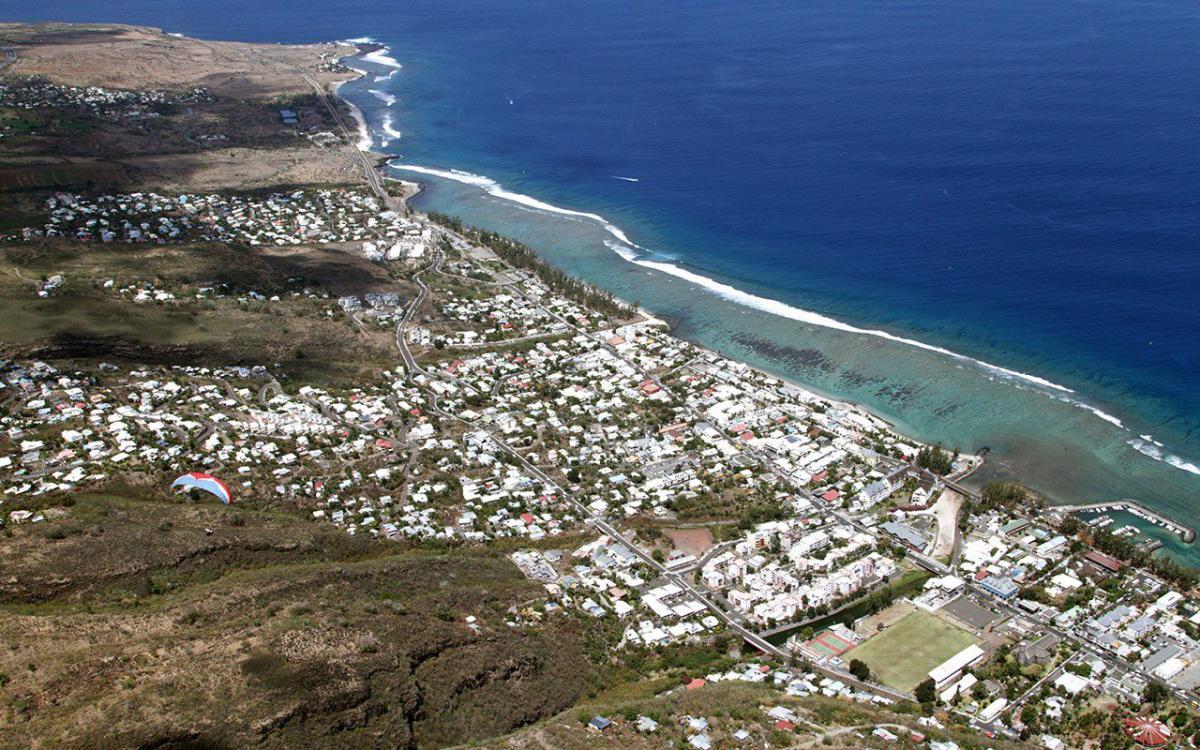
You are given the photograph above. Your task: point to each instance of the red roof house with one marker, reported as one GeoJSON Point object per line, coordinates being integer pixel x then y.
{"type": "Point", "coordinates": [1147, 731]}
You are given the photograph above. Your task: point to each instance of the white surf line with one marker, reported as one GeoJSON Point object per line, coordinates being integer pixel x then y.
{"type": "Point", "coordinates": [388, 127]}
{"type": "Point", "coordinates": [492, 187]}
{"type": "Point", "coordinates": [364, 133]}
{"type": "Point", "coordinates": [1153, 449]}
{"type": "Point", "coordinates": [628, 250]}
{"type": "Point", "coordinates": [383, 96]}
{"type": "Point", "coordinates": [724, 291]}
{"type": "Point", "coordinates": [379, 56]}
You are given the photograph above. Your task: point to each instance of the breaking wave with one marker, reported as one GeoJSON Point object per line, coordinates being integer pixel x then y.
{"type": "Point", "coordinates": [379, 56]}
{"type": "Point", "coordinates": [724, 291]}
{"type": "Point", "coordinates": [383, 96]}
{"type": "Point", "coordinates": [388, 127]}
{"type": "Point", "coordinates": [364, 133]}
{"type": "Point", "coordinates": [1153, 449]}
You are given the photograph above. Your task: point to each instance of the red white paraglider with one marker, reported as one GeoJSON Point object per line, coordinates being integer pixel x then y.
{"type": "Point", "coordinates": [206, 482]}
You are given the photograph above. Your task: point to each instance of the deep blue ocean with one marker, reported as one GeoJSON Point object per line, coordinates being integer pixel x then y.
{"type": "Point", "coordinates": [1016, 182]}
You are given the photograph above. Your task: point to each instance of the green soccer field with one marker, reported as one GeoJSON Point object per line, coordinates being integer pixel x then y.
{"type": "Point", "coordinates": [901, 656]}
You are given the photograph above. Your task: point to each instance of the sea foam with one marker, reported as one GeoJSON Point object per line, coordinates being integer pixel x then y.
{"type": "Point", "coordinates": [388, 127]}
{"type": "Point", "coordinates": [1152, 448]}
{"type": "Point", "coordinates": [491, 187]}
{"type": "Point", "coordinates": [381, 57]}
{"type": "Point", "coordinates": [383, 96]}
{"type": "Point", "coordinates": [725, 291]}
{"type": "Point", "coordinates": [364, 133]}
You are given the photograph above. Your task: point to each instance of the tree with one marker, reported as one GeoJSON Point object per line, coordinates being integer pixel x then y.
{"type": "Point", "coordinates": [1029, 714]}
{"type": "Point", "coordinates": [935, 459]}
{"type": "Point", "coordinates": [1005, 495]}
{"type": "Point", "coordinates": [860, 670]}
{"type": "Point", "coordinates": [926, 692]}
{"type": "Point", "coordinates": [658, 555]}
{"type": "Point", "coordinates": [1155, 692]}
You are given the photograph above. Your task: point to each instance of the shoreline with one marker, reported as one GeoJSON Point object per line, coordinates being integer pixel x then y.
{"type": "Point", "coordinates": [1143, 443]}
{"type": "Point", "coordinates": [1041, 385]}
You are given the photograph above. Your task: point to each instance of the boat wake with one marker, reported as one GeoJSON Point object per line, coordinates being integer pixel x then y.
{"type": "Point", "coordinates": [627, 179]}
{"type": "Point", "coordinates": [634, 253]}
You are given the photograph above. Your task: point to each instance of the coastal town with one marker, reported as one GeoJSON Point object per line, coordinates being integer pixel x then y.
{"type": "Point", "coordinates": [523, 417]}
{"type": "Point", "coordinates": [668, 497]}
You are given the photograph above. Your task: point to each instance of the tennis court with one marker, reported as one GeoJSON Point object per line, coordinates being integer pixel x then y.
{"type": "Point", "coordinates": [829, 643]}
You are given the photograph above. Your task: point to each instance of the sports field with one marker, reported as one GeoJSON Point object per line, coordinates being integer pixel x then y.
{"type": "Point", "coordinates": [901, 656]}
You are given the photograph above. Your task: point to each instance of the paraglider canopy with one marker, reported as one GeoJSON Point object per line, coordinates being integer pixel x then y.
{"type": "Point", "coordinates": [207, 482]}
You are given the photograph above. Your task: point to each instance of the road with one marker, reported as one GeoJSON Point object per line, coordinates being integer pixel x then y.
{"type": "Point", "coordinates": [373, 178]}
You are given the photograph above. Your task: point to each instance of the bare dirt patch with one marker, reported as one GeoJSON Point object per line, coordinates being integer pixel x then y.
{"type": "Point", "coordinates": [946, 511]}
{"type": "Point", "coordinates": [691, 541]}
{"type": "Point", "coordinates": [133, 57]}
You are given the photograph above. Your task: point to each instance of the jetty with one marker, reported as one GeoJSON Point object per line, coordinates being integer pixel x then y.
{"type": "Point", "coordinates": [1134, 508]}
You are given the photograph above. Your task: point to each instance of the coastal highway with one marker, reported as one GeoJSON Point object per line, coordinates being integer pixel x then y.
{"type": "Point", "coordinates": [365, 159]}
{"type": "Point", "coordinates": [374, 180]}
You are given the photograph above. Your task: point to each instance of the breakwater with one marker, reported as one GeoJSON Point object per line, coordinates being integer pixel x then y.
{"type": "Point", "coordinates": [1134, 508]}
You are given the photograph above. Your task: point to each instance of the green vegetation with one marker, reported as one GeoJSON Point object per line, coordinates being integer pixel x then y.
{"type": "Point", "coordinates": [902, 655]}
{"type": "Point", "coordinates": [1008, 495]}
{"type": "Point", "coordinates": [522, 256]}
{"type": "Point", "coordinates": [277, 616]}
{"type": "Point", "coordinates": [926, 691]}
{"type": "Point", "coordinates": [935, 459]}
{"type": "Point", "coordinates": [910, 581]}
{"type": "Point", "coordinates": [82, 322]}
{"type": "Point", "coordinates": [1124, 548]}
{"type": "Point", "coordinates": [859, 669]}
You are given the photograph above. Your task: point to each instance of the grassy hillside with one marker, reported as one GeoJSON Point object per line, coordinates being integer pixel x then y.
{"type": "Point", "coordinates": [154, 623]}
{"type": "Point", "coordinates": [85, 321]}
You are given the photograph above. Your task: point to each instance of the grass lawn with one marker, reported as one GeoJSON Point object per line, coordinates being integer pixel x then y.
{"type": "Point", "coordinates": [902, 655]}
